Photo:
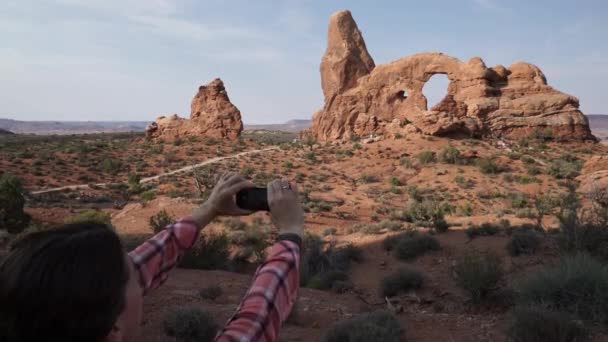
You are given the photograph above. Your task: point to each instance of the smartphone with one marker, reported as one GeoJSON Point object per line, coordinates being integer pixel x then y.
{"type": "Point", "coordinates": [255, 199]}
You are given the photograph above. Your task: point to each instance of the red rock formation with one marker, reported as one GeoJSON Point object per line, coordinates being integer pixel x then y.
{"type": "Point", "coordinates": [212, 116]}
{"type": "Point", "coordinates": [362, 99]}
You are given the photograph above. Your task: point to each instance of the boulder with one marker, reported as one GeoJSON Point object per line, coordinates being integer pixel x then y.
{"type": "Point", "coordinates": [362, 98]}
{"type": "Point", "coordinates": [212, 116]}
{"type": "Point", "coordinates": [594, 174]}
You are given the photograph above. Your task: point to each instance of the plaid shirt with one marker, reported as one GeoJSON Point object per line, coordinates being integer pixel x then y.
{"type": "Point", "coordinates": [266, 304]}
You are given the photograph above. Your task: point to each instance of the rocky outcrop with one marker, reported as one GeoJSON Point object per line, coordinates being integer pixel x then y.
{"type": "Point", "coordinates": [212, 116]}
{"type": "Point", "coordinates": [594, 174]}
{"type": "Point", "coordinates": [363, 99]}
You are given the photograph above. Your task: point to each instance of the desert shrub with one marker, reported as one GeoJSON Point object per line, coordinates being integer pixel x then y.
{"type": "Point", "coordinates": [211, 292]}
{"type": "Point", "coordinates": [12, 217]}
{"type": "Point", "coordinates": [428, 212]}
{"type": "Point", "coordinates": [234, 224]}
{"type": "Point", "coordinates": [450, 155]}
{"type": "Point", "coordinates": [567, 166]}
{"type": "Point", "coordinates": [394, 181]}
{"type": "Point", "coordinates": [367, 178]}
{"type": "Point", "coordinates": [147, 196]}
{"type": "Point", "coordinates": [111, 166]}
{"type": "Point", "coordinates": [426, 157]}
{"type": "Point", "coordinates": [190, 324]}
{"type": "Point", "coordinates": [160, 220]}
{"type": "Point", "coordinates": [536, 323]}
{"type": "Point", "coordinates": [410, 247]}
{"type": "Point", "coordinates": [479, 274]}
{"type": "Point", "coordinates": [391, 241]}
{"type": "Point", "coordinates": [489, 166]}
{"type": "Point", "coordinates": [97, 216]}
{"type": "Point", "coordinates": [485, 229]}
{"type": "Point", "coordinates": [523, 241]}
{"type": "Point", "coordinates": [465, 209]}
{"type": "Point", "coordinates": [581, 230]}
{"type": "Point", "coordinates": [377, 228]}
{"type": "Point", "coordinates": [374, 326]}
{"type": "Point", "coordinates": [519, 200]}
{"type": "Point", "coordinates": [401, 281]}
{"type": "Point", "coordinates": [321, 266]}
{"type": "Point", "coordinates": [406, 162]}
{"type": "Point", "coordinates": [211, 252]}
{"type": "Point", "coordinates": [330, 231]}
{"type": "Point", "coordinates": [252, 242]}
{"type": "Point", "coordinates": [577, 285]}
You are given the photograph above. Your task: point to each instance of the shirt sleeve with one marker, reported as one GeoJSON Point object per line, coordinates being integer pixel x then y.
{"type": "Point", "coordinates": [269, 300]}
{"type": "Point", "coordinates": [156, 257]}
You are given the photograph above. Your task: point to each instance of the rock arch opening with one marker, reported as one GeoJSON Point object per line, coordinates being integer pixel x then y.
{"type": "Point", "coordinates": [435, 90]}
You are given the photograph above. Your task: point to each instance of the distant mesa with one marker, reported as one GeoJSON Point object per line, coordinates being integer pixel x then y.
{"type": "Point", "coordinates": [212, 116]}
{"type": "Point", "coordinates": [6, 132]}
{"type": "Point", "coordinates": [362, 98]}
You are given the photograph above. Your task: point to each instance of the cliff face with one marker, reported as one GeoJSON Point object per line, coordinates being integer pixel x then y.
{"type": "Point", "coordinates": [363, 99]}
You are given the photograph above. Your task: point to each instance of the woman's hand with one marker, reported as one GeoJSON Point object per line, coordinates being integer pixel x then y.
{"type": "Point", "coordinates": [222, 200]}
{"type": "Point", "coordinates": [285, 208]}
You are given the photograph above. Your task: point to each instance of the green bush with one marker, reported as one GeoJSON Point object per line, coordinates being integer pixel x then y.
{"type": "Point", "coordinates": [428, 213]}
{"type": "Point", "coordinates": [160, 220]}
{"type": "Point", "coordinates": [402, 280]}
{"type": "Point", "coordinates": [566, 166]}
{"type": "Point", "coordinates": [489, 166]}
{"type": "Point", "coordinates": [91, 215]}
{"type": "Point", "coordinates": [426, 157]}
{"type": "Point", "coordinates": [12, 217]}
{"type": "Point", "coordinates": [479, 274]}
{"type": "Point", "coordinates": [190, 324]}
{"type": "Point", "coordinates": [111, 166]}
{"type": "Point", "coordinates": [536, 324]}
{"type": "Point", "coordinates": [322, 266]}
{"type": "Point", "coordinates": [375, 326]}
{"type": "Point", "coordinates": [147, 196]}
{"type": "Point", "coordinates": [211, 252]}
{"type": "Point", "coordinates": [211, 292]}
{"type": "Point", "coordinates": [523, 241]}
{"type": "Point", "coordinates": [450, 155]}
{"type": "Point", "coordinates": [410, 247]}
{"type": "Point", "coordinates": [577, 285]}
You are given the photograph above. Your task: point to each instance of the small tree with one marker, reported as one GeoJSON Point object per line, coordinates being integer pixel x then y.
{"type": "Point", "coordinates": [310, 141]}
{"type": "Point", "coordinates": [204, 180]}
{"type": "Point", "coordinates": [12, 217]}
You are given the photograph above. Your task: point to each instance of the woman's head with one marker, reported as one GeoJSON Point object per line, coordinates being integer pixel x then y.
{"type": "Point", "coordinates": [73, 283]}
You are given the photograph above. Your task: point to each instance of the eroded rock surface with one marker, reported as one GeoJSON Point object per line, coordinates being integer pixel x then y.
{"type": "Point", "coordinates": [363, 99]}
{"type": "Point", "coordinates": [212, 116]}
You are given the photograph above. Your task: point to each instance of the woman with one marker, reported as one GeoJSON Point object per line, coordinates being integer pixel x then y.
{"type": "Point", "coordinates": [76, 283]}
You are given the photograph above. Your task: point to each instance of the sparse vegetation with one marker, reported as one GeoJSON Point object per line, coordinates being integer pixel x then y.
{"type": "Point", "coordinates": [160, 221]}
{"type": "Point", "coordinates": [537, 323]}
{"type": "Point", "coordinates": [96, 216]}
{"type": "Point", "coordinates": [489, 166]}
{"type": "Point", "coordinates": [401, 281]}
{"type": "Point", "coordinates": [12, 202]}
{"type": "Point", "coordinates": [485, 229]}
{"type": "Point", "coordinates": [375, 326]}
{"type": "Point", "coordinates": [567, 166]}
{"type": "Point", "coordinates": [479, 273]}
{"type": "Point", "coordinates": [323, 265]}
{"type": "Point", "coordinates": [450, 155]}
{"type": "Point", "coordinates": [211, 252]}
{"type": "Point", "coordinates": [409, 247]}
{"type": "Point", "coordinates": [190, 324]}
{"type": "Point", "coordinates": [523, 241]}
{"type": "Point", "coordinates": [426, 157]}
{"type": "Point", "coordinates": [577, 285]}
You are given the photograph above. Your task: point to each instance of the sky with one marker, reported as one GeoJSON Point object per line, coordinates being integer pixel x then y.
{"type": "Point", "coordinates": [138, 59]}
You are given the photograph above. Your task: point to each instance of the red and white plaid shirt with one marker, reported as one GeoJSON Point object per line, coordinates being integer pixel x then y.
{"type": "Point", "coordinates": [265, 306]}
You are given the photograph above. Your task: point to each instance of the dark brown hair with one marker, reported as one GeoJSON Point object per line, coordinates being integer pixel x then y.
{"type": "Point", "coordinates": [64, 284]}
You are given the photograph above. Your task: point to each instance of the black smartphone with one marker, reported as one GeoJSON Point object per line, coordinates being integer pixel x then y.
{"type": "Point", "coordinates": [255, 199]}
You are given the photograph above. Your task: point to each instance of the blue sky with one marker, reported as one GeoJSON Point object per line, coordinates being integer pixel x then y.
{"type": "Point", "coordinates": [138, 59]}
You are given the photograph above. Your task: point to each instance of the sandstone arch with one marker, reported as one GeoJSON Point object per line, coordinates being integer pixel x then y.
{"type": "Point", "coordinates": [362, 98]}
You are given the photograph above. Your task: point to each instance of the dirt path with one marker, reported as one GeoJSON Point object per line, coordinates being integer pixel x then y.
{"type": "Point", "coordinates": [157, 177]}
